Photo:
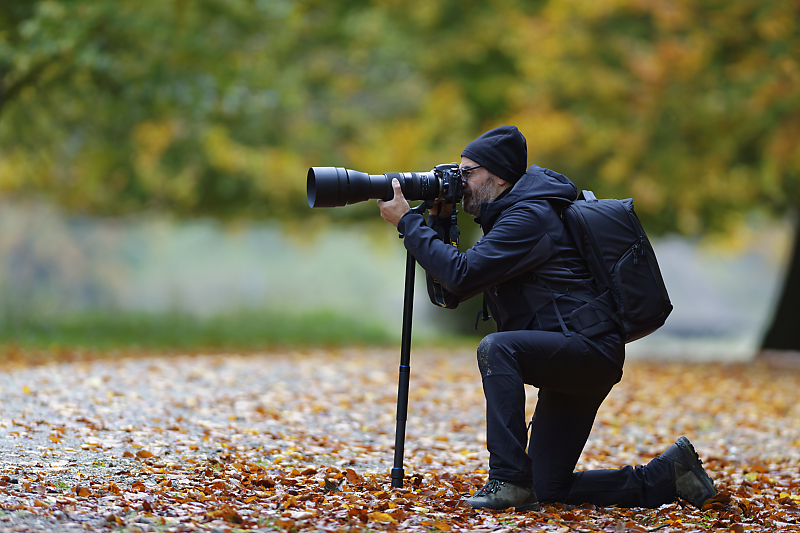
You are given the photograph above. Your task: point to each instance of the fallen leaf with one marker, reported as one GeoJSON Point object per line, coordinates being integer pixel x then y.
{"type": "Point", "coordinates": [382, 518]}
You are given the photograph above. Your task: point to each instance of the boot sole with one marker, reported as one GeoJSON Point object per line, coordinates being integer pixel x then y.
{"type": "Point", "coordinates": [696, 467]}
{"type": "Point", "coordinates": [528, 507]}
{"type": "Point", "coordinates": [523, 507]}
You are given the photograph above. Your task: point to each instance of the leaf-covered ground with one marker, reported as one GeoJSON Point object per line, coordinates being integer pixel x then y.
{"type": "Point", "coordinates": [303, 441]}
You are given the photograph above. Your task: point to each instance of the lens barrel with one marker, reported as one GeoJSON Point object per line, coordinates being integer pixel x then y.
{"type": "Point", "coordinates": [334, 186]}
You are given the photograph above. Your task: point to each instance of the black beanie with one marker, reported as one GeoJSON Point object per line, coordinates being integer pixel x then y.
{"type": "Point", "coordinates": [502, 151]}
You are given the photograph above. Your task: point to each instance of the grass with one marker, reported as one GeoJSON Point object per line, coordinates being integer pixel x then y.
{"type": "Point", "coordinates": [243, 329]}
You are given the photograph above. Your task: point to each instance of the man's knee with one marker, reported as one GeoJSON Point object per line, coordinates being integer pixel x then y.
{"type": "Point", "coordinates": [493, 355]}
{"type": "Point", "coordinates": [554, 489]}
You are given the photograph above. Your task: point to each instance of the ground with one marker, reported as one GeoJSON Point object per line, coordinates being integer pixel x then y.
{"type": "Point", "coordinates": [303, 441]}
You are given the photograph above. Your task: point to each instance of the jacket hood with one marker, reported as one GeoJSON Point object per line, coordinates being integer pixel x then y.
{"type": "Point", "coordinates": [537, 183]}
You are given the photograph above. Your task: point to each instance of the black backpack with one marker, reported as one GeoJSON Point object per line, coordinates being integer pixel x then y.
{"type": "Point", "coordinates": [610, 237]}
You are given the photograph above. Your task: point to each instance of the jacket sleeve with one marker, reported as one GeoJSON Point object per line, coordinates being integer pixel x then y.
{"type": "Point", "coordinates": [516, 243]}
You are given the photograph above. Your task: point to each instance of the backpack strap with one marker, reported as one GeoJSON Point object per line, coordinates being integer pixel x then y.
{"type": "Point", "coordinates": [558, 313]}
{"type": "Point", "coordinates": [593, 318]}
{"type": "Point", "coordinates": [483, 313]}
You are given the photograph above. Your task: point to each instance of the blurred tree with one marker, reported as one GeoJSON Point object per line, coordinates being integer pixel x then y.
{"type": "Point", "coordinates": [217, 107]}
{"type": "Point", "coordinates": [204, 107]}
{"type": "Point", "coordinates": [692, 107]}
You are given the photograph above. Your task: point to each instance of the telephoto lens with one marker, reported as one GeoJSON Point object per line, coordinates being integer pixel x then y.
{"type": "Point", "coordinates": [334, 186]}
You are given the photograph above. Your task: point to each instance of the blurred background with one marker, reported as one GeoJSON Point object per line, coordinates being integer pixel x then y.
{"type": "Point", "coordinates": [153, 158]}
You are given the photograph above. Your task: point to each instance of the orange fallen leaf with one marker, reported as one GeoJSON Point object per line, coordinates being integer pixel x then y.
{"type": "Point", "coordinates": [361, 514]}
{"type": "Point", "coordinates": [352, 476]}
{"type": "Point", "coordinates": [147, 504]}
{"type": "Point", "coordinates": [144, 454]}
{"type": "Point", "coordinates": [383, 518]}
{"type": "Point", "coordinates": [128, 454]}
{"type": "Point", "coordinates": [226, 513]}
{"type": "Point", "coordinates": [291, 501]}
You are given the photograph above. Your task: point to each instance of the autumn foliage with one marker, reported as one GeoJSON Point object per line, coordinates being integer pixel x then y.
{"type": "Point", "coordinates": [219, 108]}
{"type": "Point", "coordinates": [302, 441]}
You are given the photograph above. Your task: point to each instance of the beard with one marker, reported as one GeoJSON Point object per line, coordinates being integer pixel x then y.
{"type": "Point", "coordinates": [485, 193]}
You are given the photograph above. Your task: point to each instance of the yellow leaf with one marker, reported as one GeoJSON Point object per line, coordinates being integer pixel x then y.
{"type": "Point", "coordinates": [382, 517]}
{"type": "Point", "coordinates": [26, 390]}
{"type": "Point", "coordinates": [251, 499]}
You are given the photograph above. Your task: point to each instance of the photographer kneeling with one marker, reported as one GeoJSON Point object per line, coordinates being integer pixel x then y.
{"type": "Point", "coordinates": [529, 271]}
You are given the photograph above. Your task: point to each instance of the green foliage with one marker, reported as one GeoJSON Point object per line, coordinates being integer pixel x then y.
{"type": "Point", "coordinates": [215, 107]}
{"type": "Point", "coordinates": [255, 329]}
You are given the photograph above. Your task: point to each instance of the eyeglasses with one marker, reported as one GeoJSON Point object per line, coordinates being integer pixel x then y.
{"type": "Point", "coordinates": [465, 171]}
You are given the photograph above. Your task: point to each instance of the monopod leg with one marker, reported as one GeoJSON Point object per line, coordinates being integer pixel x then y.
{"type": "Point", "coordinates": [405, 372]}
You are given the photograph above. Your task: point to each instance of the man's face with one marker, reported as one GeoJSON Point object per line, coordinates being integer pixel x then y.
{"type": "Point", "coordinates": [472, 179]}
{"type": "Point", "coordinates": [479, 186]}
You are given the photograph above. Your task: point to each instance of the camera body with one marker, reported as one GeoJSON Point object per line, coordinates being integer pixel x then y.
{"type": "Point", "coordinates": [333, 186]}
{"type": "Point", "coordinates": [449, 176]}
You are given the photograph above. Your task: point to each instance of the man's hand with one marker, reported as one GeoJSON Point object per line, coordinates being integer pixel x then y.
{"type": "Point", "coordinates": [393, 210]}
{"type": "Point", "coordinates": [440, 209]}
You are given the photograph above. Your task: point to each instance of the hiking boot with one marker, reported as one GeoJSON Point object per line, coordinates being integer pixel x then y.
{"type": "Point", "coordinates": [498, 494]}
{"type": "Point", "coordinates": [691, 481]}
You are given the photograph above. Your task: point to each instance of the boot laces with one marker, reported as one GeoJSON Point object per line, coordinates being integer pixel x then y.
{"type": "Point", "coordinates": [492, 486]}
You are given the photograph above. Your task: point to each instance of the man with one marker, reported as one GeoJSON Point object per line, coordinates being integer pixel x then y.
{"type": "Point", "coordinates": [532, 278]}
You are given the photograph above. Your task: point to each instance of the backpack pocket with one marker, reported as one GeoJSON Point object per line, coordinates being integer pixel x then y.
{"type": "Point", "coordinates": [640, 293]}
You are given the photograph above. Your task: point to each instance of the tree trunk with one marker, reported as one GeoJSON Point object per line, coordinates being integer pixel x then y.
{"type": "Point", "coordinates": [784, 332]}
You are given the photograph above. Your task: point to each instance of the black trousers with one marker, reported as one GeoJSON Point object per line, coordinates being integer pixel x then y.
{"type": "Point", "coordinates": [574, 375]}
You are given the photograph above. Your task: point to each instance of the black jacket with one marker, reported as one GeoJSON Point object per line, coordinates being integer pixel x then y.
{"type": "Point", "coordinates": [525, 260]}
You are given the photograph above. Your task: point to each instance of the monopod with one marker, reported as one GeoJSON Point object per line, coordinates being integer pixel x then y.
{"type": "Point", "coordinates": [405, 363]}
{"type": "Point", "coordinates": [405, 373]}
{"type": "Point", "coordinates": [405, 353]}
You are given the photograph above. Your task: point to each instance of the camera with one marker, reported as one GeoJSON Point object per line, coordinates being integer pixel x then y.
{"type": "Point", "coordinates": [333, 186]}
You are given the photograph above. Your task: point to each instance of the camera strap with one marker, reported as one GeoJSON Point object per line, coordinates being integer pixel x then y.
{"type": "Point", "coordinates": [454, 231]}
